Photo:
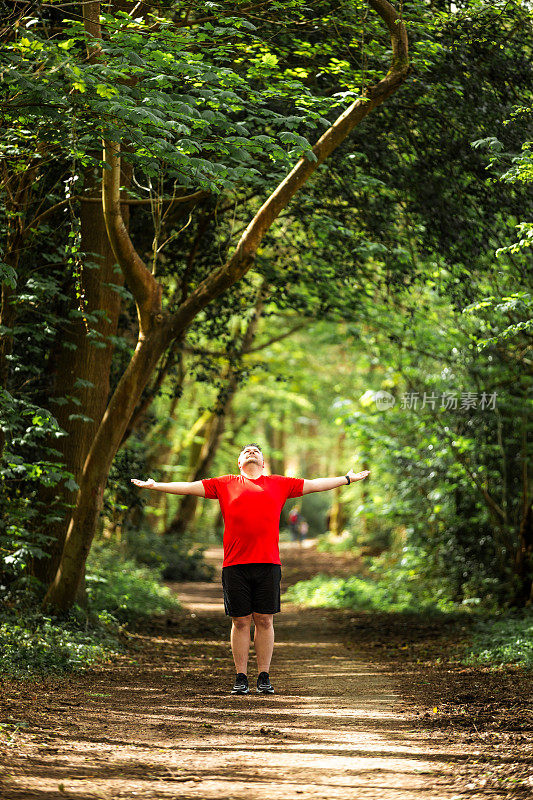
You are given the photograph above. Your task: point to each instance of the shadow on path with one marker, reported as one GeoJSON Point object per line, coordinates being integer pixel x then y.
{"type": "Point", "coordinates": [166, 727]}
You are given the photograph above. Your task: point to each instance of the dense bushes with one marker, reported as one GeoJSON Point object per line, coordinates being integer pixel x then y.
{"type": "Point", "coordinates": [504, 640]}
{"type": "Point", "coordinates": [119, 591]}
{"type": "Point", "coordinates": [495, 639]}
{"type": "Point", "coordinates": [29, 465]}
{"type": "Point", "coordinates": [36, 644]}
{"type": "Point", "coordinates": [361, 593]}
{"type": "Point", "coordinates": [176, 559]}
{"type": "Point", "coordinates": [121, 587]}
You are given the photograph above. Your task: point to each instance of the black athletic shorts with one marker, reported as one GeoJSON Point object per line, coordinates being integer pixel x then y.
{"type": "Point", "coordinates": [251, 587]}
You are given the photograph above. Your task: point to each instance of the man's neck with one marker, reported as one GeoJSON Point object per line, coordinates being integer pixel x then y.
{"type": "Point", "coordinates": [252, 471]}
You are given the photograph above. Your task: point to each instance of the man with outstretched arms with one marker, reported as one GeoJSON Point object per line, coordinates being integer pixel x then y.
{"type": "Point", "coordinates": [251, 504]}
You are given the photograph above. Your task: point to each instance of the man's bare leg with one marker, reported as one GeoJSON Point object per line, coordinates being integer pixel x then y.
{"type": "Point", "coordinates": [263, 640]}
{"type": "Point", "coordinates": [240, 642]}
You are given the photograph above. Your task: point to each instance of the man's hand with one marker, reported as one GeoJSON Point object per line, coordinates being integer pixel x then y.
{"type": "Point", "coordinates": [358, 476]}
{"type": "Point", "coordinates": [143, 484]}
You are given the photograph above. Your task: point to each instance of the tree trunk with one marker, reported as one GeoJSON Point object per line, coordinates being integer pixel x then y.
{"type": "Point", "coordinates": [157, 458]}
{"type": "Point", "coordinates": [81, 371]}
{"type": "Point", "coordinates": [62, 591]}
{"type": "Point", "coordinates": [173, 454]}
{"type": "Point", "coordinates": [275, 437]}
{"type": "Point", "coordinates": [189, 502]}
{"type": "Point", "coordinates": [198, 464]}
{"type": "Point", "coordinates": [157, 329]}
{"type": "Point", "coordinates": [336, 514]}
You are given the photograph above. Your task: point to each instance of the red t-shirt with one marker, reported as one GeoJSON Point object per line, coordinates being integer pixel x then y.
{"type": "Point", "coordinates": [251, 511]}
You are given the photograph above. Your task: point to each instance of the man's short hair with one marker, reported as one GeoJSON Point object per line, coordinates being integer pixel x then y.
{"type": "Point", "coordinates": [252, 444]}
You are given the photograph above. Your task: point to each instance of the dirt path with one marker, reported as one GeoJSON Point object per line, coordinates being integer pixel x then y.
{"type": "Point", "coordinates": [166, 727]}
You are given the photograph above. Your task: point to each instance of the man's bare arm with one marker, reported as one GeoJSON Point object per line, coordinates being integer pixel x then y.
{"type": "Point", "coordinates": [179, 487]}
{"type": "Point", "coordinates": [323, 484]}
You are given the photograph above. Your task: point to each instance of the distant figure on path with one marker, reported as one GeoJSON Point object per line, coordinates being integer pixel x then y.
{"type": "Point", "coordinates": [303, 529]}
{"type": "Point", "coordinates": [251, 504]}
{"type": "Point", "coordinates": [294, 516]}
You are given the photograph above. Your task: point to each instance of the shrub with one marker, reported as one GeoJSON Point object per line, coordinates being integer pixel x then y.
{"type": "Point", "coordinates": [36, 644]}
{"type": "Point", "coordinates": [176, 560]}
{"type": "Point", "coordinates": [360, 593]}
{"type": "Point", "coordinates": [119, 591]}
{"type": "Point", "coordinates": [507, 640]}
{"type": "Point", "coordinates": [125, 589]}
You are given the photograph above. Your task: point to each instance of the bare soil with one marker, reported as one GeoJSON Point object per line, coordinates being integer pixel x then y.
{"type": "Point", "coordinates": [366, 706]}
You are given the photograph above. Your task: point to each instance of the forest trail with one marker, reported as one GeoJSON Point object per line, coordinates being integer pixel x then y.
{"type": "Point", "coordinates": [167, 727]}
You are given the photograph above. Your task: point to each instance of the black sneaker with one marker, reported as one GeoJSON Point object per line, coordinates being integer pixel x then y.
{"type": "Point", "coordinates": [241, 684]}
{"type": "Point", "coordinates": [263, 684]}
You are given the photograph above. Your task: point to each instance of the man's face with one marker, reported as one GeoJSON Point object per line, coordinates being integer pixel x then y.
{"type": "Point", "coordinates": [251, 455]}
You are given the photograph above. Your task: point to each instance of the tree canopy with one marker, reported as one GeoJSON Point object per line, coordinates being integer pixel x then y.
{"type": "Point", "coordinates": [231, 221]}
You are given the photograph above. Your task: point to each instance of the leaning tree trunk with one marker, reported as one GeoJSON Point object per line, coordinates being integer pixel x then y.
{"type": "Point", "coordinates": [187, 508]}
{"type": "Point", "coordinates": [275, 437]}
{"type": "Point", "coordinates": [62, 591]}
{"type": "Point", "coordinates": [217, 423]}
{"type": "Point", "coordinates": [198, 465]}
{"type": "Point", "coordinates": [157, 457]}
{"type": "Point", "coordinates": [337, 517]}
{"type": "Point", "coordinates": [158, 328]}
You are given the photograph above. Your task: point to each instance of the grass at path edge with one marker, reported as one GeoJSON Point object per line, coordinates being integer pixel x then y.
{"type": "Point", "coordinates": [495, 639]}
{"type": "Point", "coordinates": [119, 592]}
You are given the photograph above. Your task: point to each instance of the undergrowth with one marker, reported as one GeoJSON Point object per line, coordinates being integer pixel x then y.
{"type": "Point", "coordinates": [119, 592]}
{"type": "Point", "coordinates": [123, 588]}
{"type": "Point", "coordinates": [504, 640]}
{"type": "Point", "coordinates": [362, 594]}
{"type": "Point", "coordinates": [34, 644]}
{"type": "Point", "coordinates": [496, 638]}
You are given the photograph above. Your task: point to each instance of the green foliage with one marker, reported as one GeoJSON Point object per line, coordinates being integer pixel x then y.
{"type": "Point", "coordinates": [32, 644]}
{"type": "Point", "coordinates": [175, 559]}
{"type": "Point", "coordinates": [363, 594]}
{"type": "Point", "coordinates": [494, 641]}
{"type": "Point", "coordinates": [390, 247]}
{"type": "Point", "coordinates": [28, 464]}
{"type": "Point", "coordinates": [519, 304]}
{"type": "Point", "coordinates": [503, 640]}
{"type": "Point", "coordinates": [440, 463]}
{"type": "Point", "coordinates": [119, 592]}
{"type": "Point", "coordinates": [373, 541]}
{"type": "Point", "coordinates": [123, 588]}
{"type": "Point", "coordinates": [204, 108]}
{"type": "Point", "coordinates": [513, 168]}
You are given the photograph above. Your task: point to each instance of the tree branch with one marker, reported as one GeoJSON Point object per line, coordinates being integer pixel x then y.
{"type": "Point", "coordinates": [144, 287]}
{"type": "Point", "coordinates": [242, 258]}
{"type": "Point", "coordinates": [275, 339]}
